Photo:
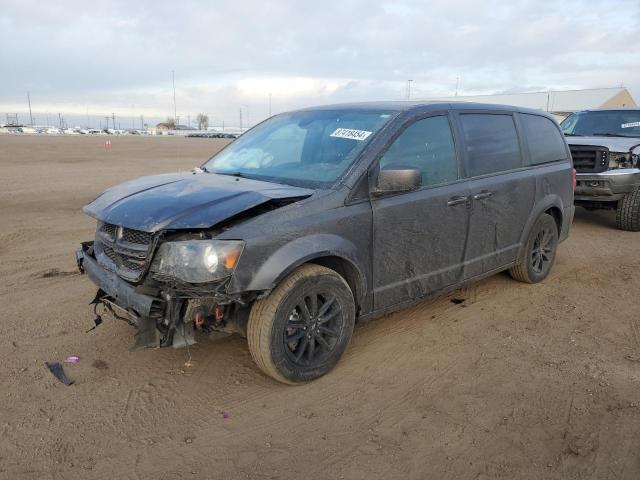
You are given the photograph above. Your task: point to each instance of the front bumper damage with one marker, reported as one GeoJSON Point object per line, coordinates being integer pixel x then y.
{"type": "Point", "coordinates": [164, 314]}
{"type": "Point", "coordinates": [610, 185]}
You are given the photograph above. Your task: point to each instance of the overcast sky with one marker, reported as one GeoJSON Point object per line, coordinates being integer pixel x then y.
{"type": "Point", "coordinates": [117, 56]}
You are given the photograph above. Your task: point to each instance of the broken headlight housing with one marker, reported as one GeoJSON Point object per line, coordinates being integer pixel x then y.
{"type": "Point", "coordinates": [622, 160]}
{"type": "Point", "coordinates": [197, 261]}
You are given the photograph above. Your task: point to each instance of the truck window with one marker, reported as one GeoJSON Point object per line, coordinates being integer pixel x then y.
{"type": "Point", "coordinates": [491, 143]}
{"type": "Point", "coordinates": [428, 146]}
{"type": "Point", "coordinates": [543, 139]}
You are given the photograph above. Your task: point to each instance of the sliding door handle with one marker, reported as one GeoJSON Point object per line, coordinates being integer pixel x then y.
{"type": "Point", "coordinates": [482, 195]}
{"type": "Point", "coordinates": [457, 200]}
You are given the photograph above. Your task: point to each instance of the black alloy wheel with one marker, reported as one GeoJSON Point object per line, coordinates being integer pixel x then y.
{"type": "Point", "coordinates": [313, 329]}
{"type": "Point", "coordinates": [301, 329]}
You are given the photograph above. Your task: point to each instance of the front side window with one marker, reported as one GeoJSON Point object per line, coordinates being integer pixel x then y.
{"type": "Point", "coordinates": [603, 123]}
{"type": "Point", "coordinates": [307, 148]}
{"type": "Point", "coordinates": [491, 143]}
{"type": "Point", "coordinates": [426, 145]}
{"type": "Point", "coordinates": [543, 138]}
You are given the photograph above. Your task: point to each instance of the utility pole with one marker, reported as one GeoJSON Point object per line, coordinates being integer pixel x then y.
{"type": "Point", "coordinates": [113, 117]}
{"type": "Point", "coordinates": [548, 95]}
{"type": "Point", "coordinates": [409, 89]}
{"type": "Point", "coordinates": [173, 81]}
{"type": "Point", "coordinates": [141, 122]}
{"type": "Point", "coordinates": [106, 117]}
{"type": "Point", "coordinates": [30, 115]}
{"type": "Point", "coordinates": [223, 124]}
{"type": "Point", "coordinates": [59, 119]}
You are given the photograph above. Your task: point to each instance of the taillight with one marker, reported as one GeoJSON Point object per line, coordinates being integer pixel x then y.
{"type": "Point", "coordinates": [574, 182]}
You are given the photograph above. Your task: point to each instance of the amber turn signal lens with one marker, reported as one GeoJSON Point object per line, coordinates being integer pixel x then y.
{"type": "Point", "coordinates": [231, 259]}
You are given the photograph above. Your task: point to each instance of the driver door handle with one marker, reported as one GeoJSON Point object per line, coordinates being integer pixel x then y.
{"type": "Point", "coordinates": [457, 200]}
{"type": "Point", "coordinates": [482, 195]}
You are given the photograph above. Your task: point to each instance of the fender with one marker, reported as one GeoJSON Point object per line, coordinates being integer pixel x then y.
{"type": "Point", "coordinates": [299, 251]}
{"type": "Point", "coordinates": [544, 204]}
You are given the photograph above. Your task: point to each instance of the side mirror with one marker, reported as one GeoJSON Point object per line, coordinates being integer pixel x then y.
{"type": "Point", "coordinates": [398, 178]}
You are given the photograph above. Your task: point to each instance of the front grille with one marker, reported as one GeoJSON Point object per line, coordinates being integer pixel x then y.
{"type": "Point", "coordinates": [589, 159]}
{"type": "Point", "coordinates": [108, 251]}
{"type": "Point", "coordinates": [136, 236]}
{"type": "Point", "coordinates": [109, 229]}
{"type": "Point", "coordinates": [123, 250]}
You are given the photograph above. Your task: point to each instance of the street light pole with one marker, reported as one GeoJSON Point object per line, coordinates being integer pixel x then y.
{"type": "Point", "coordinates": [409, 89]}
{"type": "Point", "coordinates": [29, 101]}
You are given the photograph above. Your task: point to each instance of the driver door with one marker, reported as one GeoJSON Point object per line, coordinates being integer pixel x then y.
{"type": "Point", "coordinates": [420, 237]}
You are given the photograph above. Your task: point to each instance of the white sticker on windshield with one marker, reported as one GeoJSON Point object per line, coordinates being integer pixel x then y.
{"type": "Point", "coordinates": [351, 134]}
{"type": "Point", "coordinates": [629, 125]}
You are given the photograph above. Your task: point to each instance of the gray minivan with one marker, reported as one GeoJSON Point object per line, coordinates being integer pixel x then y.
{"type": "Point", "coordinates": [319, 218]}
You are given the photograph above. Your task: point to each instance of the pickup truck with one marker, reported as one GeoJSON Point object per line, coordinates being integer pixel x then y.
{"type": "Point", "coordinates": [605, 146]}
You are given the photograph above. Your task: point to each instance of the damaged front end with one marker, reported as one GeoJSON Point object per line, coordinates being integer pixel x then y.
{"type": "Point", "coordinates": [167, 285]}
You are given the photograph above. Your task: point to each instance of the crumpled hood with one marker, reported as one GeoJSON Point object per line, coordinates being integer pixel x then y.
{"type": "Point", "coordinates": [184, 200]}
{"type": "Point", "coordinates": [614, 144]}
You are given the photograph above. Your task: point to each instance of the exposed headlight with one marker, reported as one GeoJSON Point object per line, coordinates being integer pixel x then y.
{"type": "Point", "coordinates": [619, 160]}
{"type": "Point", "coordinates": [198, 261]}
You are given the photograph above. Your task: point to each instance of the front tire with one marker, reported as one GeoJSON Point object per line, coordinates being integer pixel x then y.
{"type": "Point", "coordinates": [539, 253]}
{"type": "Point", "coordinates": [299, 332]}
{"type": "Point", "coordinates": [628, 211]}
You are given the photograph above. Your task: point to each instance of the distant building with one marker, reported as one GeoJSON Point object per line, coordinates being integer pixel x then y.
{"type": "Point", "coordinates": [560, 103]}
{"type": "Point", "coordinates": [164, 128]}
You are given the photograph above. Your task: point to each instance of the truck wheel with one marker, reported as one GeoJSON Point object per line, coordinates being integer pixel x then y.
{"type": "Point", "coordinates": [299, 332]}
{"type": "Point", "coordinates": [628, 211]}
{"type": "Point", "coordinates": [539, 252]}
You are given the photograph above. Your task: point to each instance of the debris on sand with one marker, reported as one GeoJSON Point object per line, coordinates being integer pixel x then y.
{"type": "Point", "coordinates": [55, 272]}
{"type": "Point", "coordinates": [72, 359]}
{"type": "Point", "coordinates": [58, 372]}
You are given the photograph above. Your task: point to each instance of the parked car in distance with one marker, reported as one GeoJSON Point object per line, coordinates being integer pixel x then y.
{"type": "Point", "coordinates": [319, 218]}
{"type": "Point", "coordinates": [212, 134]}
{"type": "Point", "coordinates": [605, 146]}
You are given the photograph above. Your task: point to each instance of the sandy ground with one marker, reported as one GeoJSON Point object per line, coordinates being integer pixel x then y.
{"type": "Point", "coordinates": [517, 381]}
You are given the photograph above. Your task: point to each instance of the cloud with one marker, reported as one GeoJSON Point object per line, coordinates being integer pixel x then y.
{"type": "Point", "coordinates": [107, 56]}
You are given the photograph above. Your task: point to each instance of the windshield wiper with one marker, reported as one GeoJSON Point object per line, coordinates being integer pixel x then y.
{"type": "Point", "coordinates": [231, 174]}
{"type": "Point", "coordinates": [573, 135]}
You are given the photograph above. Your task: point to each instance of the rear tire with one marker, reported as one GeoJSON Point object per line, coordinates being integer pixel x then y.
{"type": "Point", "coordinates": [299, 332]}
{"type": "Point", "coordinates": [628, 211]}
{"type": "Point", "coordinates": [539, 253]}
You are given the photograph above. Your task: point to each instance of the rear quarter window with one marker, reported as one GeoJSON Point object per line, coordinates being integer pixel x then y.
{"type": "Point", "coordinates": [491, 143]}
{"type": "Point", "coordinates": [543, 139]}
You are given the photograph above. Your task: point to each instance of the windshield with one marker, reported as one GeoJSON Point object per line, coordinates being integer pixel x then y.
{"type": "Point", "coordinates": [617, 123]}
{"type": "Point", "coordinates": [307, 148]}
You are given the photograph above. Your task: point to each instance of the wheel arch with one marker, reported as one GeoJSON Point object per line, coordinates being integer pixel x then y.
{"type": "Point", "coordinates": [347, 270]}
{"type": "Point", "coordinates": [336, 253]}
{"type": "Point", "coordinates": [551, 204]}
{"type": "Point", "coordinates": [556, 213]}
